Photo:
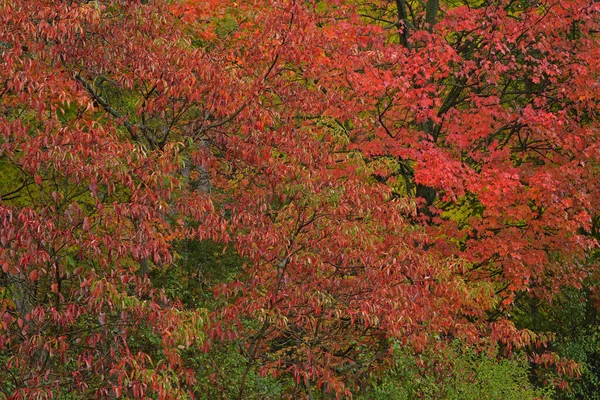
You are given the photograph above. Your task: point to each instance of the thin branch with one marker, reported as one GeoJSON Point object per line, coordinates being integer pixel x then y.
{"type": "Point", "coordinates": [100, 100]}
{"type": "Point", "coordinates": [222, 122]}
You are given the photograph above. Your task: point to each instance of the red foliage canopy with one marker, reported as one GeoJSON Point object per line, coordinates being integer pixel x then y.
{"type": "Point", "coordinates": [388, 170]}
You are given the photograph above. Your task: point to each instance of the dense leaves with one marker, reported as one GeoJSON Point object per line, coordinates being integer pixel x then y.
{"type": "Point", "coordinates": [299, 184]}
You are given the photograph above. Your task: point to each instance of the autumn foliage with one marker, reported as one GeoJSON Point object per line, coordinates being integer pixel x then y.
{"type": "Point", "coordinates": [384, 170]}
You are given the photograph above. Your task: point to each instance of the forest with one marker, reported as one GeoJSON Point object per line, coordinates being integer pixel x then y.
{"type": "Point", "coordinates": [300, 199]}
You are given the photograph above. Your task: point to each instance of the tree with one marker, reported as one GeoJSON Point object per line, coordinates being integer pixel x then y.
{"type": "Point", "coordinates": [384, 170]}
{"type": "Point", "coordinates": [89, 207]}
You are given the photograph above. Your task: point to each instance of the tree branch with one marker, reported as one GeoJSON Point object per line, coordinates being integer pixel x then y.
{"type": "Point", "coordinates": [100, 100]}
{"type": "Point", "coordinates": [403, 23]}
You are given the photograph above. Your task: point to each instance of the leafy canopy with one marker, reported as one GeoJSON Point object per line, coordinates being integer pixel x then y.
{"type": "Point", "coordinates": [361, 172]}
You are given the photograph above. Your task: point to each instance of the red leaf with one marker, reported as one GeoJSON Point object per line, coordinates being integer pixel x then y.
{"type": "Point", "coordinates": [33, 275]}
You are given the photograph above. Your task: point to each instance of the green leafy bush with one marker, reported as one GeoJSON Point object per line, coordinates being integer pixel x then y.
{"type": "Point", "coordinates": [456, 373]}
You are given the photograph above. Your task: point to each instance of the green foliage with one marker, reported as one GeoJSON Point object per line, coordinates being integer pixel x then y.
{"type": "Point", "coordinates": [573, 317]}
{"type": "Point", "coordinates": [456, 373]}
{"type": "Point", "coordinates": [585, 350]}
{"type": "Point", "coordinates": [200, 266]}
{"type": "Point", "coordinates": [220, 375]}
